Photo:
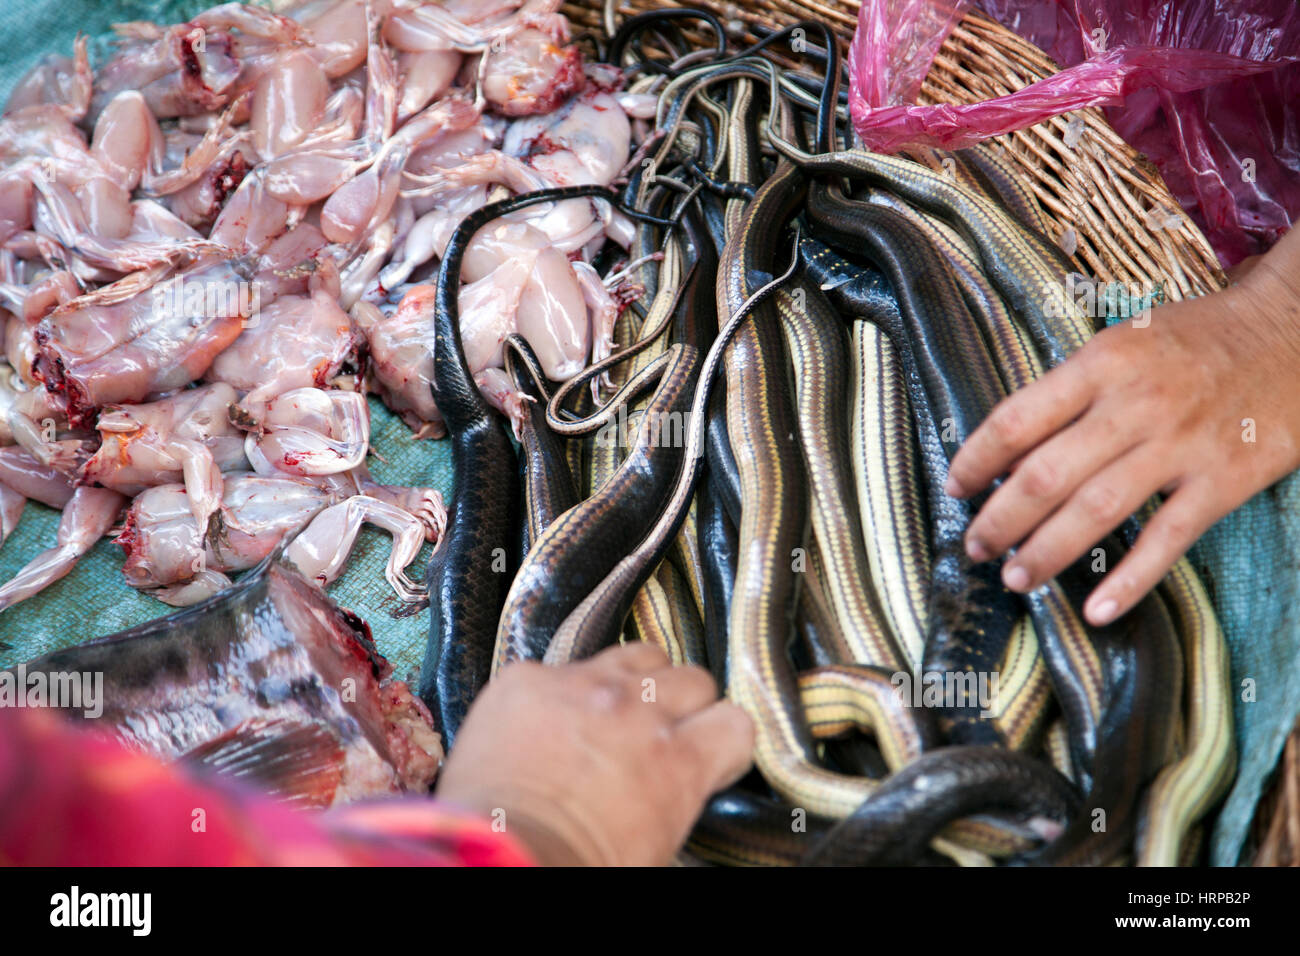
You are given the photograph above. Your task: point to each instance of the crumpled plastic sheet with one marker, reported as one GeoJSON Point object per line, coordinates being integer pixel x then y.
{"type": "Point", "coordinates": [1207, 89]}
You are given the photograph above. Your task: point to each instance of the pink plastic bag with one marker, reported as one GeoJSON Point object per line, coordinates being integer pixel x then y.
{"type": "Point", "coordinates": [1207, 89]}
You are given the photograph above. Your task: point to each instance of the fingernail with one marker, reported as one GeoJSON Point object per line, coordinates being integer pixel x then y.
{"type": "Point", "coordinates": [977, 551]}
{"type": "Point", "coordinates": [1104, 612]}
{"type": "Point", "coordinates": [1016, 578]}
{"type": "Point", "coordinates": [953, 489]}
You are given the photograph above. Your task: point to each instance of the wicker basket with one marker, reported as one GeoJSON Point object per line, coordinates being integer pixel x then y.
{"type": "Point", "coordinates": [1102, 196]}
{"type": "Point", "coordinates": [1110, 207]}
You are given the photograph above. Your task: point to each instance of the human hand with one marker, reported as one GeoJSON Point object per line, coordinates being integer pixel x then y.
{"type": "Point", "coordinates": [608, 761]}
{"type": "Point", "coordinates": [1202, 404]}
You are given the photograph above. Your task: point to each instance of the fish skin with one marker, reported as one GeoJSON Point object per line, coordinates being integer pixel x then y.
{"type": "Point", "coordinates": [270, 650]}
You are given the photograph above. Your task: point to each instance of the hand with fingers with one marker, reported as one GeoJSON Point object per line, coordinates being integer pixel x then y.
{"type": "Point", "coordinates": [1201, 404]}
{"type": "Point", "coordinates": [604, 762]}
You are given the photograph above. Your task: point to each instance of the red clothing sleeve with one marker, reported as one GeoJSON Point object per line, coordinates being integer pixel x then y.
{"type": "Point", "coordinates": [72, 798]}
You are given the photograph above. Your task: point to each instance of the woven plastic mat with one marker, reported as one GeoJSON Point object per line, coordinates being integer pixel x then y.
{"type": "Point", "coordinates": [1250, 562]}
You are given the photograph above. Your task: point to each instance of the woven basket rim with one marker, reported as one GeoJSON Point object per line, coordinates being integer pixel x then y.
{"type": "Point", "coordinates": [1103, 200]}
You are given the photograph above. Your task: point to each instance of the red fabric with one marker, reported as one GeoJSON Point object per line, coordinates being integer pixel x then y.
{"type": "Point", "coordinates": [1228, 150]}
{"type": "Point", "coordinates": [71, 798]}
{"type": "Point", "coordinates": [1207, 89]}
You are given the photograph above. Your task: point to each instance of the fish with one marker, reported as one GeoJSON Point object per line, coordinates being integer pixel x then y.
{"type": "Point", "coordinates": [269, 683]}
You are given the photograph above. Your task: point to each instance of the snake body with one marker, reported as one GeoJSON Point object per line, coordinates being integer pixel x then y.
{"type": "Point", "coordinates": [547, 483]}
{"type": "Point", "coordinates": [891, 501]}
{"type": "Point", "coordinates": [841, 698]}
{"type": "Point", "coordinates": [1186, 789]}
{"type": "Point", "coordinates": [608, 578]}
{"type": "Point", "coordinates": [971, 614]}
{"type": "Point", "coordinates": [818, 345]}
{"type": "Point", "coordinates": [774, 516]}
{"type": "Point", "coordinates": [651, 617]}
{"type": "Point", "coordinates": [892, 826]}
{"type": "Point", "coordinates": [464, 592]}
{"type": "Point", "coordinates": [717, 536]}
{"type": "Point", "coordinates": [684, 613]}
{"type": "Point", "coordinates": [822, 638]}
{"type": "Point", "coordinates": [1141, 665]}
{"type": "Point", "coordinates": [739, 828]}
{"type": "Point", "coordinates": [807, 502]}
{"type": "Point", "coordinates": [580, 547]}
{"type": "Point", "coordinates": [1000, 181]}
{"type": "Point", "coordinates": [1033, 286]}
{"type": "Point", "coordinates": [468, 577]}
{"type": "Point", "coordinates": [595, 622]}
{"type": "Point", "coordinates": [1024, 694]}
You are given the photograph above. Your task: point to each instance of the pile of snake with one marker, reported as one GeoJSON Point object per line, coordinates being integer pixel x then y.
{"type": "Point", "coordinates": [754, 479]}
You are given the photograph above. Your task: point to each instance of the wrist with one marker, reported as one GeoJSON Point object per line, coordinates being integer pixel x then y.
{"type": "Point", "coordinates": [1269, 304]}
{"type": "Point", "coordinates": [551, 833]}
{"type": "Point", "coordinates": [548, 847]}
{"type": "Point", "coordinates": [1265, 310]}
{"type": "Point", "coordinates": [1272, 286]}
